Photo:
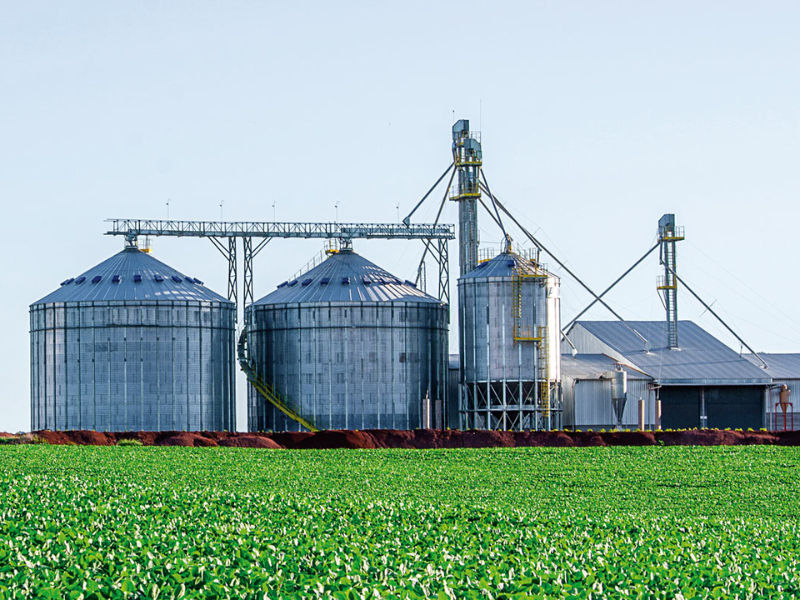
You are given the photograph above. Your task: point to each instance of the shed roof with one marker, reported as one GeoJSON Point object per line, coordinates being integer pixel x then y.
{"type": "Point", "coordinates": [701, 360]}
{"type": "Point", "coordinates": [131, 275]}
{"type": "Point", "coordinates": [781, 366]}
{"type": "Point", "coordinates": [346, 277]}
{"type": "Point", "coordinates": [592, 366]}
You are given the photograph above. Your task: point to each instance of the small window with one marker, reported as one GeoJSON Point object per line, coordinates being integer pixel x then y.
{"type": "Point", "coordinates": [366, 280]}
{"type": "Point", "coordinates": [481, 265]}
{"type": "Point", "coordinates": [510, 263]}
{"type": "Point", "coordinates": [307, 282]}
{"type": "Point", "coordinates": [188, 279]}
{"type": "Point", "coordinates": [158, 278]}
{"type": "Point", "coordinates": [411, 283]}
{"type": "Point", "coordinates": [115, 279]}
{"type": "Point", "coordinates": [345, 281]}
{"type": "Point", "coordinates": [325, 281]}
{"type": "Point", "coordinates": [97, 278]}
{"type": "Point", "coordinates": [80, 279]}
{"type": "Point", "coordinates": [65, 282]}
{"type": "Point", "coordinates": [176, 279]}
{"type": "Point", "coordinates": [385, 281]}
{"type": "Point", "coordinates": [198, 282]}
{"type": "Point", "coordinates": [284, 284]}
{"type": "Point", "coordinates": [293, 283]}
{"type": "Point", "coordinates": [137, 278]}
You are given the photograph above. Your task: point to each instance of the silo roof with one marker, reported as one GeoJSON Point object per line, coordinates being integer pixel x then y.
{"type": "Point", "coordinates": [502, 265]}
{"type": "Point", "coordinates": [346, 277]}
{"type": "Point", "coordinates": [131, 275]}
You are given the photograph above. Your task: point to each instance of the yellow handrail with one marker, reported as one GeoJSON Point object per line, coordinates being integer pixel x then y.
{"type": "Point", "coordinates": [264, 388]}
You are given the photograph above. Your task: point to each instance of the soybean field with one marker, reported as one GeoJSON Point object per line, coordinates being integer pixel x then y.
{"type": "Point", "coordinates": [150, 522]}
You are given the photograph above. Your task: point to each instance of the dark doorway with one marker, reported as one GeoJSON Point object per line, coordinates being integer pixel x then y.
{"type": "Point", "coordinates": [734, 407]}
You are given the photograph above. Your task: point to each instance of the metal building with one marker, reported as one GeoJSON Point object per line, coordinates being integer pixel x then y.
{"type": "Point", "coordinates": [348, 346]}
{"type": "Point", "coordinates": [703, 384]}
{"type": "Point", "coordinates": [132, 344]}
{"type": "Point", "coordinates": [510, 328]}
{"type": "Point", "coordinates": [785, 371]}
{"type": "Point", "coordinates": [587, 392]}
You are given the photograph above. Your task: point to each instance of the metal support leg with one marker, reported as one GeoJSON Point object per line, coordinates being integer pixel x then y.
{"type": "Point", "coordinates": [232, 283]}
{"type": "Point", "coordinates": [247, 247]}
{"type": "Point", "coordinates": [444, 273]}
{"type": "Point", "coordinates": [230, 255]}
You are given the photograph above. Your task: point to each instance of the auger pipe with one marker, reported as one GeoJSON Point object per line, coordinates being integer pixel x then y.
{"type": "Point", "coordinates": [438, 214]}
{"type": "Point", "coordinates": [407, 220]}
{"type": "Point", "coordinates": [575, 277]}
{"type": "Point", "coordinates": [709, 309]}
{"type": "Point", "coordinates": [608, 289]}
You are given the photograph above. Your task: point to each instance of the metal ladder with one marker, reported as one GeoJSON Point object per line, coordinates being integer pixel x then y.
{"type": "Point", "coordinates": [544, 371]}
{"type": "Point", "coordinates": [264, 388]}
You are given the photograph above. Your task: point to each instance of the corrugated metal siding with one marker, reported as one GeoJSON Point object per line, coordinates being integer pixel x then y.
{"type": "Point", "coordinates": [349, 365]}
{"type": "Point", "coordinates": [122, 366]}
{"type": "Point", "coordinates": [587, 404]}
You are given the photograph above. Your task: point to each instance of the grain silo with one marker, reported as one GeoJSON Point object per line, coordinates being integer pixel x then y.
{"type": "Point", "coordinates": [132, 344]}
{"type": "Point", "coordinates": [510, 360]}
{"type": "Point", "coordinates": [348, 346]}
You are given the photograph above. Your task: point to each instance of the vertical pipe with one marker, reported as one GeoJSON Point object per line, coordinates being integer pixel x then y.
{"type": "Point", "coordinates": [641, 415]}
{"type": "Point", "coordinates": [703, 416]}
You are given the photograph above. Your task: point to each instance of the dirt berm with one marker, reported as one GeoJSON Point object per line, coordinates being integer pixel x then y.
{"type": "Point", "coordinates": [418, 438]}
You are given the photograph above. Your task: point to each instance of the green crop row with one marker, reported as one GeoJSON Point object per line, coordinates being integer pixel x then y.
{"type": "Point", "coordinates": [133, 522]}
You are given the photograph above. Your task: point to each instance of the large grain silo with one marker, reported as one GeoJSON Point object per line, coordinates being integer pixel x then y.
{"type": "Point", "coordinates": [348, 346]}
{"type": "Point", "coordinates": [510, 360]}
{"type": "Point", "coordinates": [132, 344]}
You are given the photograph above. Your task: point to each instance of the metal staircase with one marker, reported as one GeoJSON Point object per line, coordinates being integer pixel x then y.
{"type": "Point", "coordinates": [263, 387]}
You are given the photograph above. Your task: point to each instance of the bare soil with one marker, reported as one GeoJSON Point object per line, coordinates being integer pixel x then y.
{"type": "Point", "coordinates": [419, 438]}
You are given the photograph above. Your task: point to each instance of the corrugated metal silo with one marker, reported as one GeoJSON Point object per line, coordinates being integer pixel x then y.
{"type": "Point", "coordinates": [132, 345]}
{"type": "Point", "coordinates": [351, 347]}
{"type": "Point", "coordinates": [510, 328]}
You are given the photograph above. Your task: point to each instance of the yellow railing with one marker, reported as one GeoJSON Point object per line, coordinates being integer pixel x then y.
{"type": "Point", "coordinates": [263, 387]}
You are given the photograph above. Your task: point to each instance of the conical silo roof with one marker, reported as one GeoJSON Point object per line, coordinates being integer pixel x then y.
{"type": "Point", "coordinates": [132, 275]}
{"type": "Point", "coordinates": [346, 277]}
{"type": "Point", "coordinates": [502, 265]}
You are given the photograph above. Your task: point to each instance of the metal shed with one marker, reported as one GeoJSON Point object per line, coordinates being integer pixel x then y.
{"type": "Point", "coordinates": [704, 383]}
{"type": "Point", "coordinates": [784, 370]}
{"type": "Point", "coordinates": [586, 393]}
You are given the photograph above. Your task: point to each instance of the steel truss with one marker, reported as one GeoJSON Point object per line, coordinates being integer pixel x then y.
{"type": "Point", "coordinates": [435, 236]}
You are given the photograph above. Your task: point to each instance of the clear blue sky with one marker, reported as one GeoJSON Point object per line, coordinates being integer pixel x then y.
{"type": "Point", "coordinates": [597, 118]}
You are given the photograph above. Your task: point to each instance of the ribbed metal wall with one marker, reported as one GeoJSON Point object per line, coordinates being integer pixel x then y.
{"type": "Point", "coordinates": [366, 363]}
{"type": "Point", "coordinates": [118, 366]}
{"type": "Point", "coordinates": [499, 376]}
{"type": "Point", "coordinates": [587, 404]}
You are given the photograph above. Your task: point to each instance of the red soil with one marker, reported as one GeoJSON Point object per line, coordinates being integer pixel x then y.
{"type": "Point", "coordinates": [424, 438]}
{"type": "Point", "coordinates": [250, 441]}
